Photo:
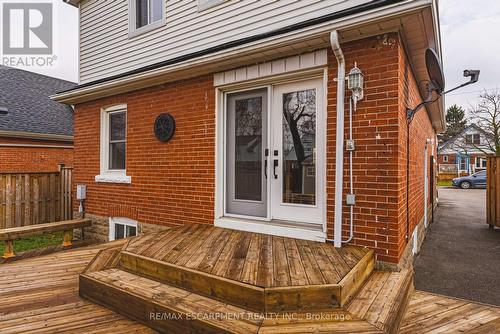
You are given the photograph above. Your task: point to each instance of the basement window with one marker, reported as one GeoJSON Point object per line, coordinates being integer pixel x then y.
{"type": "Point", "coordinates": [121, 228]}
{"type": "Point", "coordinates": [145, 15]}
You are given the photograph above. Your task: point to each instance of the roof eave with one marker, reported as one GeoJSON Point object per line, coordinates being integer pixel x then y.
{"type": "Point", "coordinates": [36, 136]}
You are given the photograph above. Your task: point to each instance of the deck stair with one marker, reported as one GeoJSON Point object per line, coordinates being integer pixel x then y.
{"type": "Point", "coordinates": [203, 279]}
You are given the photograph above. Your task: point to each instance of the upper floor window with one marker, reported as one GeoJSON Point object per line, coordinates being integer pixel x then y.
{"type": "Point", "coordinates": [113, 145]}
{"type": "Point", "coordinates": [473, 139]}
{"type": "Point", "coordinates": [145, 15]}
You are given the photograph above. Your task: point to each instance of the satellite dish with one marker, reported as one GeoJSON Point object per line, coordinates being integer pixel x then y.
{"type": "Point", "coordinates": [435, 70]}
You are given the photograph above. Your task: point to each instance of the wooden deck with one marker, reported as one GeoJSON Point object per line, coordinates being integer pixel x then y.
{"type": "Point", "coordinates": [40, 295]}
{"type": "Point", "coordinates": [258, 272]}
{"type": "Point", "coordinates": [256, 259]}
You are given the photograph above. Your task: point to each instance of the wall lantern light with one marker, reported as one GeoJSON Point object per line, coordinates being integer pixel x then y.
{"type": "Point", "coordinates": [355, 82]}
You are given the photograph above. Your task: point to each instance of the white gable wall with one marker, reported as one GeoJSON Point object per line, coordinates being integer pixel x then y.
{"type": "Point", "coordinates": [106, 48]}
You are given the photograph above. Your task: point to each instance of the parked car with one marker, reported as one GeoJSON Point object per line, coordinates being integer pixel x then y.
{"type": "Point", "coordinates": [477, 180]}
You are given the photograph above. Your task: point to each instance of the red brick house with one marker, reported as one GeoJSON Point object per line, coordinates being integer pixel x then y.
{"type": "Point", "coordinates": [261, 112]}
{"type": "Point", "coordinates": [36, 133]}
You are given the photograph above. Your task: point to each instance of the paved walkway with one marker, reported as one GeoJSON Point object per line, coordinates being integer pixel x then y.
{"type": "Point", "coordinates": [460, 256]}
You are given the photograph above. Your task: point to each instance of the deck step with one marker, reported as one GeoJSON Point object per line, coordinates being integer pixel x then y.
{"type": "Point", "coordinates": [377, 308]}
{"type": "Point", "coordinates": [163, 307]}
{"type": "Point", "coordinates": [249, 296]}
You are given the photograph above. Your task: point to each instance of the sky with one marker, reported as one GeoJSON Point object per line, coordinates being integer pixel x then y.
{"type": "Point", "coordinates": [65, 30]}
{"type": "Point", "coordinates": [470, 32]}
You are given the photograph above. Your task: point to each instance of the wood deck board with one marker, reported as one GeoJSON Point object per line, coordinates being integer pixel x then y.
{"type": "Point", "coordinates": [432, 313]}
{"type": "Point", "coordinates": [40, 295]}
{"type": "Point", "coordinates": [264, 261]}
{"type": "Point", "coordinates": [52, 304]}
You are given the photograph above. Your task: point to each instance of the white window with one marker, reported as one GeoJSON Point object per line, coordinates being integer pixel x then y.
{"type": "Point", "coordinates": [206, 4]}
{"type": "Point", "coordinates": [445, 158]}
{"type": "Point", "coordinates": [480, 162]}
{"type": "Point", "coordinates": [113, 145]}
{"type": "Point", "coordinates": [473, 139]}
{"type": "Point", "coordinates": [120, 228]}
{"type": "Point", "coordinates": [145, 15]}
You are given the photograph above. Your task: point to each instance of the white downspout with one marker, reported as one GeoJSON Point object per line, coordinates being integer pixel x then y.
{"type": "Point", "coordinates": [339, 153]}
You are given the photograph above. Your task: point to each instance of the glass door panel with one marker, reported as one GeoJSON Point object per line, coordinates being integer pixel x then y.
{"type": "Point", "coordinates": [246, 140]}
{"type": "Point", "coordinates": [299, 147]}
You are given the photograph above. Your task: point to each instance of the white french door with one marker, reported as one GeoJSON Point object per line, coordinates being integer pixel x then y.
{"type": "Point", "coordinates": [275, 153]}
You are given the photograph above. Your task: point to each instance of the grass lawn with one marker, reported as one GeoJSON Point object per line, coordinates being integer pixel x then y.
{"type": "Point", "coordinates": [444, 183]}
{"type": "Point", "coordinates": [36, 242]}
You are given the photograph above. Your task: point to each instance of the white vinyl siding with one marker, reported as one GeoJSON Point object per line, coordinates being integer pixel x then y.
{"type": "Point", "coordinates": [107, 49]}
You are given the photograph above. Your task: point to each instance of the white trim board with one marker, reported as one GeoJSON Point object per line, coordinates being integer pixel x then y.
{"type": "Point", "coordinates": [285, 65]}
{"type": "Point", "coordinates": [272, 229]}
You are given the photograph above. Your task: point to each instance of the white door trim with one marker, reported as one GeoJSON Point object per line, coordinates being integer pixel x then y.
{"type": "Point", "coordinates": [250, 223]}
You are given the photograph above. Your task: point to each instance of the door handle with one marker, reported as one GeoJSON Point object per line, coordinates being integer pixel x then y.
{"type": "Point", "coordinates": [266, 154]}
{"type": "Point", "coordinates": [275, 164]}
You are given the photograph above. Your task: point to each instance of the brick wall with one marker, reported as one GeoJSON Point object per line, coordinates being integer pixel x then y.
{"type": "Point", "coordinates": [451, 159]}
{"type": "Point", "coordinates": [17, 159]}
{"type": "Point", "coordinates": [173, 182]}
{"type": "Point", "coordinates": [379, 161]}
{"type": "Point", "coordinates": [420, 131]}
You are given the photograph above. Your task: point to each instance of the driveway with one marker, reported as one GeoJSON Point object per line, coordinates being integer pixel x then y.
{"type": "Point", "coordinates": [460, 256]}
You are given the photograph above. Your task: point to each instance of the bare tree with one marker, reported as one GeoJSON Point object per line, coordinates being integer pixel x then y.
{"type": "Point", "coordinates": [487, 116]}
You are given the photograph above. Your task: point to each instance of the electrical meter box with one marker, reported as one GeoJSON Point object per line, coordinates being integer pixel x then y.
{"type": "Point", "coordinates": [81, 192]}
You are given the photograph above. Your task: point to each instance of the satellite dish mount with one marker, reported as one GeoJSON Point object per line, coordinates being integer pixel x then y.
{"type": "Point", "coordinates": [436, 81]}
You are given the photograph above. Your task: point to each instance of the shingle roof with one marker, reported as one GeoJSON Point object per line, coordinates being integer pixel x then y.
{"type": "Point", "coordinates": [26, 95]}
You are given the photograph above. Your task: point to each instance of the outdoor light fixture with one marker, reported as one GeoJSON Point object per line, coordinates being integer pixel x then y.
{"type": "Point", "coordinates": [355, 82]}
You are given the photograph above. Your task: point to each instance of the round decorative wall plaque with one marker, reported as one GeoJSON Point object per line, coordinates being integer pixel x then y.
{"type": "Point", "coordinates": [164, 127]}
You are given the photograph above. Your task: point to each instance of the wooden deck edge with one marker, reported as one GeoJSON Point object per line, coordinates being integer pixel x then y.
{"type": "Point", "coordinates": [137, 308]}
{"type": "Point", "coordinates": [355, 279]}
{"type": "Point", "coordinates": [232, 292]}
{"type": "Point", "coordinates": [397, 312]}
{"type": "Point", "coordinates": [302, 298]}
{"type": "Point", "coordinates": [105, 258]}
{"type": "Point", "coordinates": [459, 299]}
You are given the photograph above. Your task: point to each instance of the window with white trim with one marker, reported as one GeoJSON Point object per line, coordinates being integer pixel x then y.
{"type": "Point", "coordinates": [474, 139]}
{"type": "Point", "coordinates": [445, 158]}
{"type": "Point", "coordinates": [113, 145]}
{"type": "Point", "coordinates": [121, 228]}
{"type": "Point", "coordinates": [480, 162]}
{"type": "Point", "coordinates": [145, 15]}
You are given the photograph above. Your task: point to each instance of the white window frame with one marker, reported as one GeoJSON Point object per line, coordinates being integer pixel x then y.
{"type": "Point", "coordinates": [445, 158]}
{"type": "Point", "coordinates": [106, 174]}
{"type": "Point", "coordinates": [121, 221]}
{"type": "Point", "coordinates": [480, 160]}
{"type": "Point", "coordinates": [132, 17]}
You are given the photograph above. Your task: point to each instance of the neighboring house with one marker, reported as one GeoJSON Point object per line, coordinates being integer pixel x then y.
{"type": "Point", "coordinates": [36, 133]}
{"type": "Point", "coordinates": [212, 64]}
{"type": "Point", "coordinates": [464, 154]}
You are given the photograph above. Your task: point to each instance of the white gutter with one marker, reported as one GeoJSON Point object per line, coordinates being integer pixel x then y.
{"type": "Point", "coordinates": [339, 154]}
{"type": "Point", "coordinates": [33, 135]}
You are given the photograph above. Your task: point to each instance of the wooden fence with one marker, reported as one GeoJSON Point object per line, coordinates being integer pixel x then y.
{"type": "Point", "coordinates": [493, 191]}
{"type": "Point", "coordinates": [35, 198]}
